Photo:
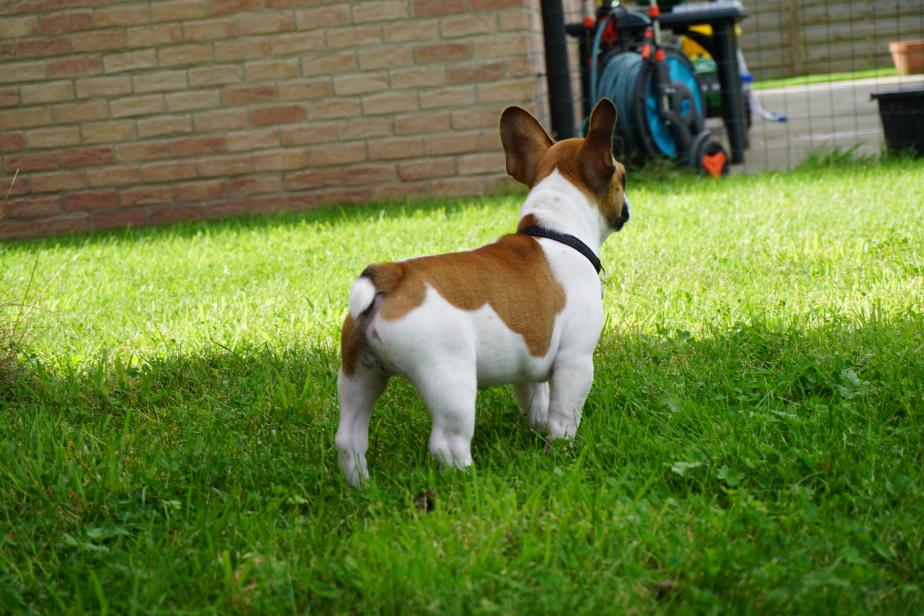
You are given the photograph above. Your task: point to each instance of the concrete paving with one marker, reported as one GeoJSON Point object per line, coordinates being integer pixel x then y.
{"type": "Point", "coordinates": [821, 116]}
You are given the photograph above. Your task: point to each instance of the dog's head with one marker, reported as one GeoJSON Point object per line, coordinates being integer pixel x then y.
{"type": "Point", "coordinates": [587, 163]}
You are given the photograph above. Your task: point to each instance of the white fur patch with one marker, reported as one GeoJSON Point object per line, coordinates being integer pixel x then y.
{"type": "Point", "coordinates": [361, 295]}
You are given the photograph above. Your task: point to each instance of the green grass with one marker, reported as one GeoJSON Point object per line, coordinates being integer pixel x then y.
{"type": "Point", "coordinates": [802, 80]}
{"type": "Point", "coordinates": [752, 443]}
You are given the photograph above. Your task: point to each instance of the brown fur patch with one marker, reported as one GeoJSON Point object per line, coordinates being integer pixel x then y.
{"type": "Point", "coordinates": [351, 340]}
{"type": "Point", "coordinates": [512, 275]}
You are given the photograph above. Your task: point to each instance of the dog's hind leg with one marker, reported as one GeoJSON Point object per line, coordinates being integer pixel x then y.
{"type": "Point", "coordinates": [571, 381]}
{"type": "Point", "coordinates": [449, 393]}
{"type": "Point", "coordinates": [357, 394]}
{"type": "Point", "coordinates": [533, 400]}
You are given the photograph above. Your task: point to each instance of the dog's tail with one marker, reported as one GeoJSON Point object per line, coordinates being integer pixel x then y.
{"type": "Point", "coordinates": [375, 279]}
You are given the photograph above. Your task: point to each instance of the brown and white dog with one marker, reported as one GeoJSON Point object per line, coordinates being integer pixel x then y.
{"type": "Point", "coordinates": [524, 310]}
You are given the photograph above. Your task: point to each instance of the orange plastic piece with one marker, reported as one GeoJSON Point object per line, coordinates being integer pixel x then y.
{"type": "Point", "coordinates": [660, 55]}
{"type": "Point", "coordinates": [714, 163]}
{"type": "Point", "coordinates": [654, 11]}
{"type": "Point", "coordinates": [589, 22]}
{"type": "Point", "coordinates": [646, 51]}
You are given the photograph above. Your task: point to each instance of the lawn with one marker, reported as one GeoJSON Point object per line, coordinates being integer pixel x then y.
{"type": "Point", "coordinates": [752, 442]}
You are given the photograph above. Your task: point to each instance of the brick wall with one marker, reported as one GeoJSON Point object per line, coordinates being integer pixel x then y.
{"type": "Point", "coordinates": [130, 113]}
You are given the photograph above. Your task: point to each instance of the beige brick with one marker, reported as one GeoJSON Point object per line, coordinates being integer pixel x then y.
{"type": "Point", "coordinates": [173, 213]}
{"type": "Point", "coordinates": [124, 15]}
{"type": "Point", "coordinates": [337, 196]}
{"type": "Point", "coordinates": [177, 10]}
{"type": "Point", "coordinates": [281, 160]}
{"type": "Point", "coordinates": [37, 47]}
{"type": "Point", "coordinates": [429, 8]}
{"type": "Point", "coordinates": [108, 132]}
{"type": "Point", "coordinates": [25, 117]}
{"type": "Point", "coordinates": [80, 112]}
{"type": "Point", "coordinates": [136, 105]}
{"type": "Point", "coordinates": [209, 30]}
{"type": "Point", "coordinates": [226, 7]}
{"type": "Point", "coordinates": [184, 55]}
{"type": "Point", "coordinates": [397, 148]}
{"type": "Point", "coordinates": [512, 44]}
{"type": "Point", "coordinates": [365, 175]}
{"type": "Point", "coordinates": [10, 142]}
{"type": "Point", "coordinates": [442, 52]}
{"type": "Point", "coordinates": [160, 81]}
{"type": "Point", "coordinates": [194, 146]}
{"type": "Point", "coordinates": [145, 195]}
{"type": "Point", "coordinates": [53, 137]}
{"type": "Point", "coordinates": [237, 164]}
{"type": "Point", "coordinates": [447, 97]}
{"type": "Point", "coordinates": [388, 57]}
{"type": "Point", "coordinates": [129, 61]}
{"type": "Point", "coordinates": [265, 23]}
{"type": "Point", "coordinates": [412, 31]}
{"type": "Point", "coordinates": [218, 74]}
{"type": "Point", "coordinates": [507, 91]}
{"type": "Point", "coordinates": [422, 123]}
{"type": "Point", "coordinates": [202, 190]}
{"type": "Point", "coordinates": [475, 72]}
{"type": "Point", "coordinates": [382, 10]}
{"type": "Point", "coordinates": [116, 219]}
{"type": "Point", "coordinates": [329, 64]}
{"type": "Point", "coordinates": [98, 40]}
{"type": "Point", "coordinates": [307, 135]}
{"type": "Point", "coordinates": [18, 72]}
{"type": "Point", "coordinates": [74, 66]}
{"type": "Point", "coordinates": [475, 118]}
{"type": "Point", "coordinates": [453, 143]}
{"type": "Point", "coordinates": [259, 139]}
{"type": "Point", "coordinates": [193, 99]}
{"type": "Point", "coordinates": [323, 17]}
{"type": "Point", "coordinates": [427, 169]}
{"type": "Point", "coordinates": [243, 49]}
{"type": "Point", "coordinates": [276, 69]}
{"type": "Point", "coordinates": [93, 200]}
{"type": "Point", "coordinates": [164, 125]}
{"type": "Point", "coordinates": [87, 157]}
{"type": "Point", "coordinates": [58, 180]}
{"type": "Point", "coordinates": [400, 190]}
{"type": "Point", "coordinates": [33, 161]}
{"type": "Point", "coordinates": [9, 97]}
{"type": "Point", "coordinates": [337, 154]}
{"type": "Point", "coordinates": [113, 176]}
{"type": "Point", "coordinates": [363, 83]}
{"type": "Point", "coordinates": [256, 184]}
{"type": "Point", "coordinates": [18, 27]}
{"type": "Point", "coordinates": [418, 77]}
{"type": "Point", "coordinates": [103, 87]}
{"type": "Point", "coordinates": [488, 162]}
{"type": "Point", "coordinates": [47, 92]}
{"type": "Point", "coordinates": [296, 43]}
{"type": "Point", "coordinates": [247, 95]}
{"type": "Point", "coordinates": [150, 36]}
{"type": "Point", "coordinates": [314, 179]}
{"type": "Point", "coordinates": [456, 187]}
{"type": "Point", "coordinates": [282, 114]}
{"type": "Point", "coordinates": [364, 128]}
{"type": "Point", "coordinates": [33, 207]}
{"type": "Point", "coordinates": [490, 140]}
{"type": "Point", "coordinates": [333, 108]}
{"type": "Point", "coordinates": [390, 102]}
{"type": "Point", "coordinates": [67, 223]}
{"type": "Point", "coordinates": [152, 150]}
{"type": "Point", "coordinates": [468, 25]}
{"type": "Point", "coordinates": [357, 36]}
{"type": "Point", "coordinates": [67, 22]}
{"type": "Point", "coordinates": [209, 121]}
{"type": "Point", "coordinates": [514, 20]}
{"type": "Point", "coordinates": [305, 89]}
{"type": "Point", "coordinates": [168, 172]}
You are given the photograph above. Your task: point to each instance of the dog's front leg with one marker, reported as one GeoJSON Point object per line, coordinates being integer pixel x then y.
{"type": "Point", "coordinates": [571, 381]}
{"type": "Point", "coordinates": [533, 400]}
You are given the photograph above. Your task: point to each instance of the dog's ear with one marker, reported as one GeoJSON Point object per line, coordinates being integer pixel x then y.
{"type": "Point", "coordinates": [597, 165]}
{"type": "Point", "coordinates": [525, 143]}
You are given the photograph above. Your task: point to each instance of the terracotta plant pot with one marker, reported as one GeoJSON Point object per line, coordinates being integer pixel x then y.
{"type": "Point", "coordinates": [908, 56]}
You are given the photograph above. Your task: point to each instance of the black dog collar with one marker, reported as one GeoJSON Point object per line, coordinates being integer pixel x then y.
{"type": "Point", "coordinates": [568, 240]}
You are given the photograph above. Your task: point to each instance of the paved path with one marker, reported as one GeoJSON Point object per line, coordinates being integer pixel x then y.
{"type": "Point", "coordinates": [821, 116]}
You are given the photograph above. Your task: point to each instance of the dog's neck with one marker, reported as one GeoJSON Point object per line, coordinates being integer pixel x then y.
{"type": "Point", "coordinates": [557, 204]}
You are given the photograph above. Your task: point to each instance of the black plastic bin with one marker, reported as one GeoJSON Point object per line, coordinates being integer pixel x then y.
{"type": "Point", "coordinates": [902, 115]}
